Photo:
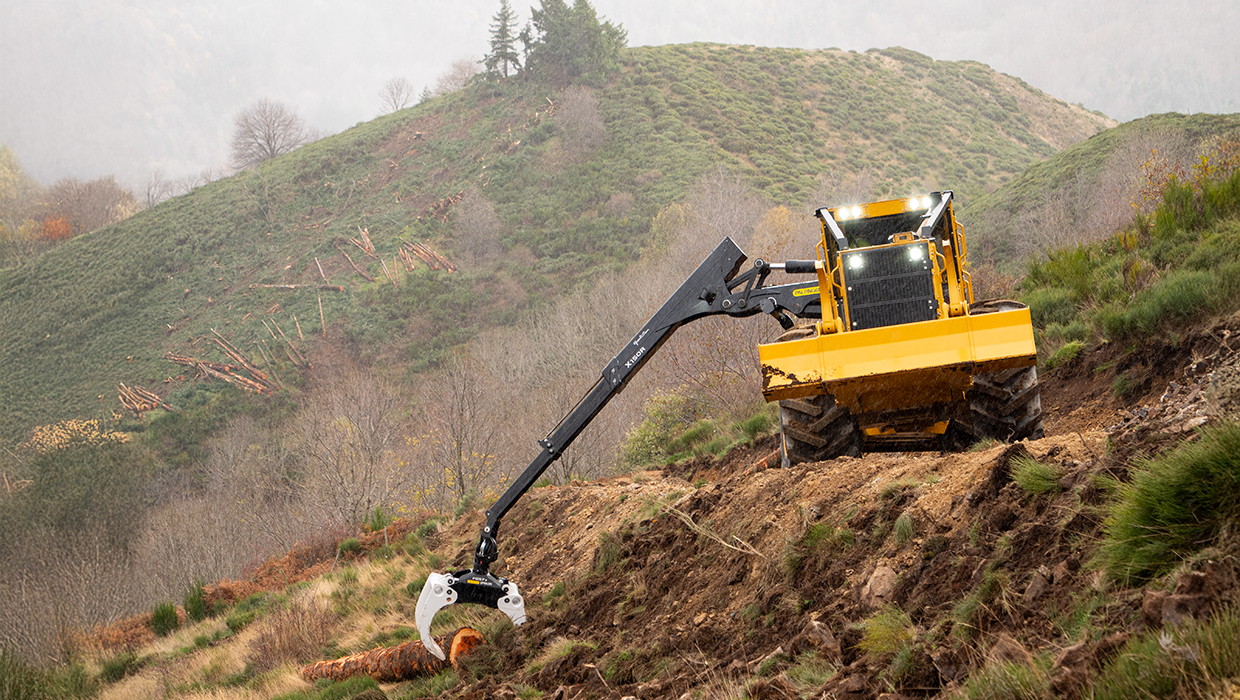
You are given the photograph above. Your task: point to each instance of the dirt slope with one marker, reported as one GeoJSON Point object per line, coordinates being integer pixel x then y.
{"type": "Point", "coordinates": [730, 578]}
{"type": "Point", "coordinates": [681, 592]}
{"type": "Point", "coordinates": [718, 588]}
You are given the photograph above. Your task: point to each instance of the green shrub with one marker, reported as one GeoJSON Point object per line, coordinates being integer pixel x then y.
{"type": "Point", "coordinates": [608, 553]}
{"type": "Point", "coordinates": [119, 666]}
{"type": "Point", "coordinates": [1192, 660]}
{"type": "Point", "coordinates": [467, 503]}
{"type": "Point", "coordinates": [350, 545]}
{"type": "Point", "coordinates": [239, 620]}
{"type": "Point", "coordinates": [1066, 270]}
{"type": "Point", "coordinates": [248, 610]}
{"type": "Point", "coordinates": [1175, 505]}
{"type": "Point", "coordinates": [820, 535]}
{"type": "Point", "coordinates": [886, 632]}
{"type": "Point", "coordinates": [1009, 680]}
{"type": "Point", "coordinates": [1076, 330]}
{"type": "Point", "coordinates": [764, 421]}
{"type": "Point", "coordinates": [1123, 386]}
{"type": "Point", "coordinates": [414, 588]}
{"type": "Point", "coordinates": [1066, 353]}
{"type": "Point", "coordinates": [20, 680]}
{"type": "Point", "coordinates": [379, 519]}
{"type": "Point", "coordinates": [195, 602]}
{"type": "Point", "coordinates": [1033, 476]}
{"type": "Point", "coordinates": [428, 527]}
{"type": "Point", "coordinates": [164, 619]}
{"type": "Point", "coordinates": [696, 433]}
{"type": "Point", "coordinates": [1048, 305]}
{"type": "Point", "coordinates": [1180, 296]}
{"type": "Point", "coordinates": [667, 414]}
{"type": "Point", "coordinates": [903, 529]}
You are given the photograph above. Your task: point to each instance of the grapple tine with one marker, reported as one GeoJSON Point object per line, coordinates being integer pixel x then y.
{"type": "Point", "coordinates": [436, 595]}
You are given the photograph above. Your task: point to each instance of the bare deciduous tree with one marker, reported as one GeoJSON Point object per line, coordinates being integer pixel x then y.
{"type": "Point", "coordinates": [463, 417]}
{"type": "Point", "coordinates": [351, 434]}
{"type": "Point", "coordinates": [836, 189]}
{"type": "Point", "coordinates": [264, 130]}
{"type": "Point", "coordinates": [157, 189]}
{"type": "Point", "coordinates": [396, 95]}
{"type": "Point", "coordinates": [456, 77]}
{"type": "Point", "coordinates": [90, 205]}
{"type": "Point", "coordinates": [476, 228]}
{"type": "Point", "coordinates": [579, 119]}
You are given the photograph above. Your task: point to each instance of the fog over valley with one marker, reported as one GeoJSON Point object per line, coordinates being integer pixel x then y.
{"type": "Point", "coordinates": [133, 87]}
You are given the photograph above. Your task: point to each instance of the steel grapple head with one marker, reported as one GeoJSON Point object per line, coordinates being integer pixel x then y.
{"type": "Point", "coordinates": [442, 590]}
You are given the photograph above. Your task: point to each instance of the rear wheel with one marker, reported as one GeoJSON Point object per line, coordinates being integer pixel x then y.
{"type": "Point", "coordinates": [814, 429]}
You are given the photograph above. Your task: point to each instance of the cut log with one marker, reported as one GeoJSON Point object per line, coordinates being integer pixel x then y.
{"type": "Point", "coordinates": [320, 287]}
{"type": "Point", "coordinates": [359, 270]}
{"type": "Point", "coordinates": [399, 663]}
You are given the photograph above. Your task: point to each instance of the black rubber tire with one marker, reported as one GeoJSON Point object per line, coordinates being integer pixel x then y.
{"type": "Point", "coordinates": [814, 429]}
{"type": "Point", "coordinates": [1006, 405]}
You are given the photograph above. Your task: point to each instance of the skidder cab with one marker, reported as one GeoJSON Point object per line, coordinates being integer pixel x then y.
{"type": "Point", "coordinates": [903, 358]}
{"type": "Point", "coordinates": [892, 354]}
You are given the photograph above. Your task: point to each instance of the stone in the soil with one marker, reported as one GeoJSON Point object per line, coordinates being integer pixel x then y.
{"type": "Point", "coordinates": [879, 588]}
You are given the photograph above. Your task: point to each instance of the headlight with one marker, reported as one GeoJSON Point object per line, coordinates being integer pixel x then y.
{"type": "Point", "coordinates": [856, 212]}
{"type": "Point", "coordinates": [856, 262]}
{"type": "Point", "coordinates": [925, 202]}
{"type": "Point", "coordinates": [916, 253]}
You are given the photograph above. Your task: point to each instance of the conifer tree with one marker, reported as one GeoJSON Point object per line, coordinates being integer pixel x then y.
{"type": "Point", "coordinates": [570, 44]}
{"type": "Point", "coordinates": [503, 43]}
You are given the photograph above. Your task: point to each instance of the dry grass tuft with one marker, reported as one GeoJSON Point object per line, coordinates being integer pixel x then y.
{"type": "Point", "coordinates": [296, 634]}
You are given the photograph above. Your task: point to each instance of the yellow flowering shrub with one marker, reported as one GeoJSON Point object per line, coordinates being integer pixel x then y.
{"type": "Point", "coordinates": [71, 433]}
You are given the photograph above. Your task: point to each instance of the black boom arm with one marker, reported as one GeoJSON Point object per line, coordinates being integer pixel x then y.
{"type": "Point", "coordinates": [713, 289]}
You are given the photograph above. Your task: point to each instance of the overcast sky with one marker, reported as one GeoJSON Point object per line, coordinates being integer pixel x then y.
{"type": "Point", "coordinates": [90, 88]}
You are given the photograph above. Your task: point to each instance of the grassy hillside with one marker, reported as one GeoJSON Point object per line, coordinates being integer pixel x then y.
{"type": "Point", "coordinates": [801, 126]}
{"type": "Point", "coordinates": [1162, 277]}
{"type": "Point", "coordinates": [1091, 188]}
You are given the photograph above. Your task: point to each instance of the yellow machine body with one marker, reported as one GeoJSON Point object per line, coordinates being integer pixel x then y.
{"type": "Point", "coordinates": [898, 348]}
{"type": "Point", "coordinates": [892, 367]}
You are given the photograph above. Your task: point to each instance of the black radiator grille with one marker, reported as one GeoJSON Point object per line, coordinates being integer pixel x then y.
{"type": "Point", "coordinates": [889, 286]}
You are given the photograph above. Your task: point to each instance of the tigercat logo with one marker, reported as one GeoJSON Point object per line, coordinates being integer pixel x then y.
{"type": "Point", "coordinates": [804, 292]}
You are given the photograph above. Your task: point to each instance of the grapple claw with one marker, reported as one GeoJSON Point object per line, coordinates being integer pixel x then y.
{"type": "Point", "coordinates": [442, 590]}
{"type": "Point", "coordinates": [436, 595]}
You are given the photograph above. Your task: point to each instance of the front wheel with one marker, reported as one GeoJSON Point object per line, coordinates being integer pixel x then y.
{"type": "Point", "coordinates": [815, 429]}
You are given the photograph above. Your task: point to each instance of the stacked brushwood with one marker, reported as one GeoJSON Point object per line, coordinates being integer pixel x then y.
{"type": "Point", "coordinates": [399, 663]}
{"type": "Point", "coordinates": [243, 373]}
{"type": "Point", "coordinates": [138, 401]}
{"type": "Point", "coordinates": [433, 260]}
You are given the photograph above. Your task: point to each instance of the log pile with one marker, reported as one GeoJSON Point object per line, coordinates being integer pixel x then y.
{"type": "Point", "coordinates": [399, 663]}
{"type": "Point", "coordinates": [244, 373]}
{"type": "Point", "coordinates": [441, 208]}
{"type": "Point", "coordinates": [364, 244]}
{"type": "Point", "coordinates": [408, 251]}
{"type": "Point", "coordinates": [138, 401]}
